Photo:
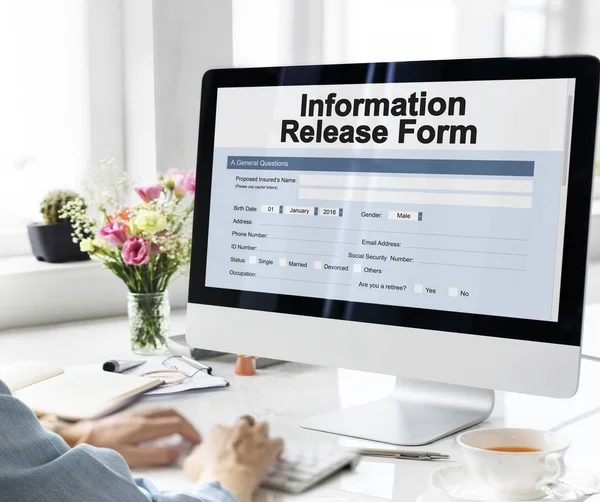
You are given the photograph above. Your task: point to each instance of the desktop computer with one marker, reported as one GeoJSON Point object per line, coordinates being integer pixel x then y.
{"type": "Point", "coordinates": [424, 219]}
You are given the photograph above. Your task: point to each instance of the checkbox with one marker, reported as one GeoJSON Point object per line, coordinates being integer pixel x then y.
{"type": "Point", "coordinates": [282, 262]}
{"type": "Point", "coordinates": [452, 291]}
{"type": "Point", "coordinates": [252, 260]}
{"type": "Point", "coordinates": [418, 288]}
{"type": "Point", "coordinates": [318, 265]}
{"type": "Point", "coordinates": [357, 268]}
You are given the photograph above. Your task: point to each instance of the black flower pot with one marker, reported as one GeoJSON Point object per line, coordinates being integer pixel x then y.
{"type": "Point", "coordinates": [54, 243]}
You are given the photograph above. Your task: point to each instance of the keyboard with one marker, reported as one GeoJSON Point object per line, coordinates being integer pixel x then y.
{"type": "Point", "coordinates": [300, 467]}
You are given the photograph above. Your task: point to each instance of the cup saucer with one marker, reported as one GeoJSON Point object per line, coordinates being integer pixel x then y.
{"type": "Point", "coordinates": [456, 484]}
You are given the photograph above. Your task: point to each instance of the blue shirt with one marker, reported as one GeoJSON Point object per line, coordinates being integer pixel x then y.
{"type": "Point", "coordinates": [38, 466]}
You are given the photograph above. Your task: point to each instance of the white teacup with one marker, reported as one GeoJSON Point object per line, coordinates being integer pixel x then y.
{"type": "Point", "coordinates": [512, 475]}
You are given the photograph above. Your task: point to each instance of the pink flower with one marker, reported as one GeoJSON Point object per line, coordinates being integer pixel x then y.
{"type": "Point", "coordinates": [174, 179]}
{"type": "Point", "coordinates": [174, 174]}
{"type": "Point", "coordinates": [149, 193]}
{"type": "Point", "coordinates": [136, 251]}
{"type": "Point", "coordinates": [188, 182]}
{"type": "Point", "coordinates": [113, 232]}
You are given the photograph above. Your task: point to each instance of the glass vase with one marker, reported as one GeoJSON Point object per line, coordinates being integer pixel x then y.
{"type": "Point", "coordinates": [149, 322]}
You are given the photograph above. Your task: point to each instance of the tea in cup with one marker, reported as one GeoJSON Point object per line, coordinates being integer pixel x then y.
{"type": "Point", "coordinates": [514, 464]}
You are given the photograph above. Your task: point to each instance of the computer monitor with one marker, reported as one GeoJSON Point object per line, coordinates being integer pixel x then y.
{"type": "Point", "coordinates": [422, 219]}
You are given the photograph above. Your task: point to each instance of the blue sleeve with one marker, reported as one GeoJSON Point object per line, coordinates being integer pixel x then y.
{"type": "Point", "coordinates": [37, 465]}
{"type": "Point", "coordinates": [206, 492]}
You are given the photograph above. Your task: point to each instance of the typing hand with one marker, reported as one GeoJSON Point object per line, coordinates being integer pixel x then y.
{"type": "Point", "coordinates": [238, 457]}
{"type": "Point", "coordinates": [123, 432]}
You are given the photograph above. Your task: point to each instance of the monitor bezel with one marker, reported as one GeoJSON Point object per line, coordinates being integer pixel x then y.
{"type": "Point", "coordinates": [566, 331]}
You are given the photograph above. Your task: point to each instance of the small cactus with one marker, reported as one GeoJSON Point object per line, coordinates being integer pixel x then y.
{"type": "Point", "coordinates": [54, 202]}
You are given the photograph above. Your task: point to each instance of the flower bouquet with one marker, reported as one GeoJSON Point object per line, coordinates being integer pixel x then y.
{"type": "Point", "coordinates": [146, 245]}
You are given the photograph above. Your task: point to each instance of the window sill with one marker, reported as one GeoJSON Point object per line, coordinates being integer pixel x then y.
{"type": "Point", "coordinates": [14, 243]}
{"type": "Point", "coordinates": [18, 265]}
{"type": "Point", "coordinates": [35, 293]}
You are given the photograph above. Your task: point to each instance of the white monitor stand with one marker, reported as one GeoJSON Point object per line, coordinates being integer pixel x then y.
{"type": "Point", "coordinates": [421, 409]}
{"type": "Point", "coordinates": [416, 413]}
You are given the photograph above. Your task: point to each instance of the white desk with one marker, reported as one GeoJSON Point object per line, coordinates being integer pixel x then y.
{"type": "Point", "coordinates": [286, 393]}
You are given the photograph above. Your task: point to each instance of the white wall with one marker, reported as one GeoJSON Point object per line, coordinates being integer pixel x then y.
{"type": "Point", "coordinates": [105, 81]}
{"type": "Point", "coordinates": [138, 89]}
{"type": "Point", "coordinates": [190, 37]}
{"type": "Point", "coordinates": [168, 45]}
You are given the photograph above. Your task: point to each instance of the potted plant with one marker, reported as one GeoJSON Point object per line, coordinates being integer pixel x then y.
{"type": "Point", "coordinates": [146, 245]}
{"type": "Point", "coordinates": [52, 240]}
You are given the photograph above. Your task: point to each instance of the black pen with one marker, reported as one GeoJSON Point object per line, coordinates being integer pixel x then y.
{"type": "Point", "coordinates": [118, 366]}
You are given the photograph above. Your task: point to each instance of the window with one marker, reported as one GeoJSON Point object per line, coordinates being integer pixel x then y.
{"type": "Point", "coordinates": [525, 24]}
{"type": "Point", "coordinates": [271, 32]}
{"type": "Point", "coordinates": [260, 32]}
{"type": "Point", "coordinates": [388, 30]}
{"type": "Point", "coordinates": [43, 124]}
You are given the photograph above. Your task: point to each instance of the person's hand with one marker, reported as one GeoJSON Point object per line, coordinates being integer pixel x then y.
{"type": "Point", "coordinates": [238, 457]}
{"type": "Point", "coordinates": [125, 431]}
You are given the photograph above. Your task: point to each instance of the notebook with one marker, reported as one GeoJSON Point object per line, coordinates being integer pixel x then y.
{"type": "Point", "coordinates": [75, 393]}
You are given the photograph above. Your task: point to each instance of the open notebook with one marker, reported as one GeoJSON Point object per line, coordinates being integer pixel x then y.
{"type": "Point", "coordinates": [75, 394]}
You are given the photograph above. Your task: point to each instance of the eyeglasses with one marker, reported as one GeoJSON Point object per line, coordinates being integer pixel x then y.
{"type": "Point", "coordinates": [184, 366]}
{"type": "Point", "coordinates": [176, 365]}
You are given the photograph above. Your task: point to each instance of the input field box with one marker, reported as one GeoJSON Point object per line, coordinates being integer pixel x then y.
{"type": "Point", "coordinates": [269, 209]}
{"type": "Point", "coordinates": [357, 268]}
{"type": "Point", "coordinates": [301, 210]}
{"type": "Point", "coordinates": [431, 198]}
{"type": "Point", "coordinates": [329, 211]}
{"type": "Point", "coordinates": [404, 215]}
{"type": "Point", "coordinates": [318, 265]}
{"type": "Point", "coordinates": [450, 183]}
{"type": "Point", "coordinates": [283, 262]}
{"type": "Point", "coordinates": [418, 288]}
{"type": "Point", "coordinates": [252, 260]}
{"type": "Point", "coordinates": [452, 291]}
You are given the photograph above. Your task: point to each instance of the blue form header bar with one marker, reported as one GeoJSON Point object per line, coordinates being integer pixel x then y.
{"type": "Point", "coordinates": [389, 166]}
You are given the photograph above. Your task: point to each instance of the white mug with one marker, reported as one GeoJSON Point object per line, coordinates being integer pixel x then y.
{"type": "Point", "coordinates": [515, 475]}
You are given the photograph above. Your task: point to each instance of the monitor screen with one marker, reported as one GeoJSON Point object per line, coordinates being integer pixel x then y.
{"type": "Point", "coordinates": [445, 195]}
